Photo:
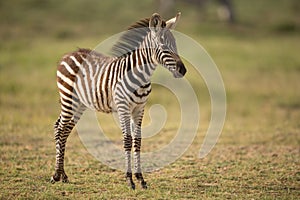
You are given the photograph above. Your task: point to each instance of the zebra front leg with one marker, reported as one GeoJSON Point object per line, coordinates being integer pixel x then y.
{"type": "Point", "coordinates": [137, 161]}
{"type": "Point", "coordinates": [128, 174]}
{"type": "Point", "coordinates": [137, 140]}
{"type": "Point", "coordinates": [127, 142]}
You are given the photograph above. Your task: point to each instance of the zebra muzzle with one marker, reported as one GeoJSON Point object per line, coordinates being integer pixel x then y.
{"type": "Point", "coordinates": [180, 69]}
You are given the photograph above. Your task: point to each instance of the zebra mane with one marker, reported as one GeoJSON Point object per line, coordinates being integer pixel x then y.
{"type": "Point", "coordinates": [132, 38]}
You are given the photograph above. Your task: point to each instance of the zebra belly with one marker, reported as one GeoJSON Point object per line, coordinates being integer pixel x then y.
{"type": "Point", "coordinates": [94, 97]}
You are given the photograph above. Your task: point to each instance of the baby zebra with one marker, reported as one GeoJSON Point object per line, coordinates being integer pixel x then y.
{"type": "Point", "coordinates": [119, 83]}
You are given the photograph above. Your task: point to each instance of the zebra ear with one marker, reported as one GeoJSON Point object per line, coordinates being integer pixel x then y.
{"type": "Point", "coordinates": [171, 23]}
{"type": "Point", "coordinates": [155, 22]}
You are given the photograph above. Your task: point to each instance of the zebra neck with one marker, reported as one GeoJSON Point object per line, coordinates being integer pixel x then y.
{"type": "Point", "coordinates": [141, 64]}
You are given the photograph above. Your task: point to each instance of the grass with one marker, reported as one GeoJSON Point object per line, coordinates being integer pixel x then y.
{"type": "Point", "coordinates": [257, 155]}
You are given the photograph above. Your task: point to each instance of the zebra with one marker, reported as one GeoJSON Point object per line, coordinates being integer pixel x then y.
{"type": "Point", "coordinates": [118, 83]}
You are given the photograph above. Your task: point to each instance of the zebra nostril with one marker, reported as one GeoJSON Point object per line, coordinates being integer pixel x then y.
{"type": "Point", "coordinates": [180, 67]}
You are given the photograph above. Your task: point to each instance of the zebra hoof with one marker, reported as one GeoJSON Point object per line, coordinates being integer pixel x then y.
{"type": "Point", "coordinates": [65, 178]}
{"type": "Point", "coordinates": [131, 184]}
{"type": "Point", "coordinates": [52, 180]}
{"type": "Point", "coordinates": [55, 178]}
{"type": "Point", "coordinates": [144, 185]}
{"type": "Point", "coordinates": [140, 178]}
{"type": "Point", "coordinates": [130, 181]}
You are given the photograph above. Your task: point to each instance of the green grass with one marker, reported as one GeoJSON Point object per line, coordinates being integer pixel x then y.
{"type": "Point", "coordinates": [257, 155]}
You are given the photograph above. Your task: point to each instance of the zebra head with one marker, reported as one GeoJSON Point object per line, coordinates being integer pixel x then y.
{"type": "Point", "coordinates": [164, 44]}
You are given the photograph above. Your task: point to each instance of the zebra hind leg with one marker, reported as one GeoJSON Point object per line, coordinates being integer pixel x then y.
{"type": "Point", "coordinates": [62, 129]}
{"type": "Point", "coordinates": [62, 132]}
{"type": "Point", "coordinates": [57, 175]}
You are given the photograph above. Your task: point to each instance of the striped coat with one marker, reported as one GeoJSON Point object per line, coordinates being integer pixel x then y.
{"type": "Point", "coordinates": [118, 83]}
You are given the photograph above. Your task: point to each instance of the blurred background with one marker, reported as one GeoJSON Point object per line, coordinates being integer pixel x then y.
{"type": "Point", "coordinates": [255, 45]}
{"type": "Point", "coordinates": [36, 18]}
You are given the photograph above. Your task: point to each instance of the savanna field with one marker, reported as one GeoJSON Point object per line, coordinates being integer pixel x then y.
{"type": "Point", "coordinates": [257, 155]}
